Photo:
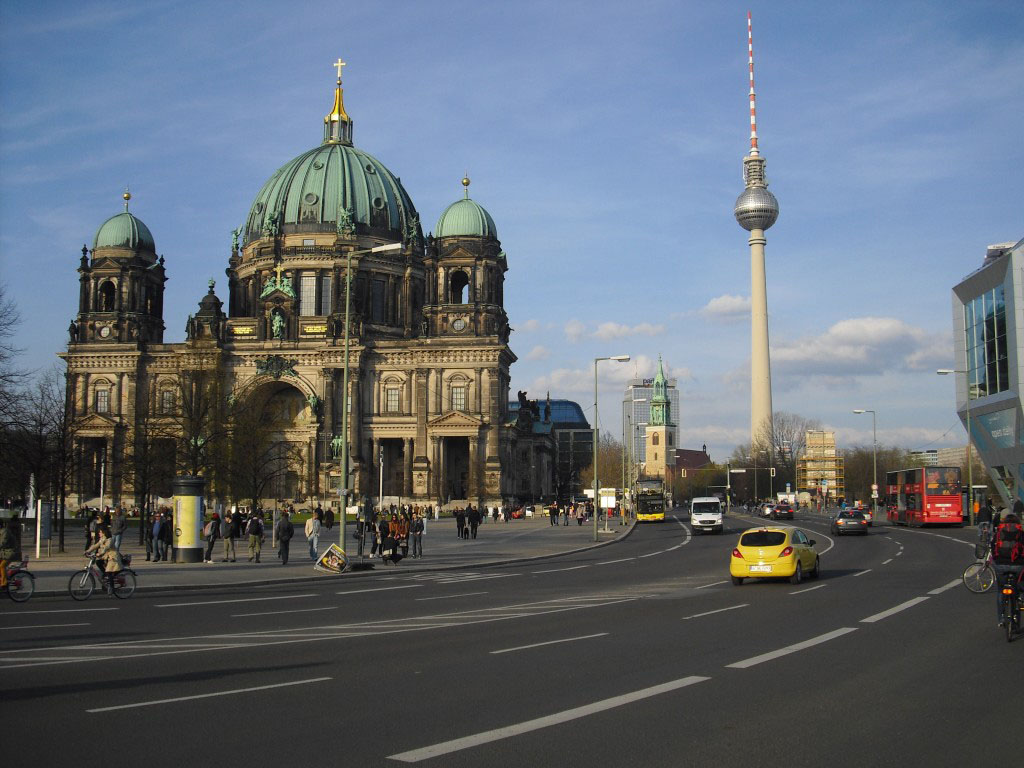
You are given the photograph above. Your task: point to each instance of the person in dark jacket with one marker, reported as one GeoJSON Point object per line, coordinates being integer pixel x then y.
{"type": "Point", "coordinates": [474, 519]}
{"type": "Point", "coordinates": [284, 532]}
{"type": "Point", "coordinates": [212, 538]}
{"type": "Point", "coordinates": [118, 524]}
{"type": "Point", "coordinates": [460, 522]}
{"type": "Point", "coordinates": [147, 536]}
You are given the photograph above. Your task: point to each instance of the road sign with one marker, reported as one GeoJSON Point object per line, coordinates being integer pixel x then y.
{"type": "Point", "coordinates": [787, 487]}
{"type": "Point", "coordinates": [874, 494]}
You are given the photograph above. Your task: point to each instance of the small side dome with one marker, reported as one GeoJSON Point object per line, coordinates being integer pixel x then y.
{"type": "Point", "coordinates": [124, 231]}
{"type": "Point", "coordinates": [466, 218]}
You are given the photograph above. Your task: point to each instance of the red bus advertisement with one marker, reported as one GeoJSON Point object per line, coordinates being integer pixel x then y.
{"type": "Point", "coordinates": [924, 495]}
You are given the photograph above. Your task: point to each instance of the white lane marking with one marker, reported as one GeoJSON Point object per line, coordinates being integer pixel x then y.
{"type": "Point", "coordinates": [623, 560]}
{"type": "Point", "coordinates": [207, 695]}
{"type": "Point", "coordinates": [942, 589]}
{"type": "Point", "coordinates": [894, 610]}
{"type": "Point", "coordinates": [466, 742]}
{"type": "Point", "coordinates": [652, 554]}
{"type": "Point", "coordinates": [861, 573]}
{"type": "Point", "coordinates": [278, 613]}
{"type": "Point", "coordinates": [61, 610]}
{"type": "Point", "coordinates": [236, 600]}
{"type": "Point", "coordinates": [377, 589]}
{"type": "Point", "coordinates": [448, 597]}
{"type": "Point", "coordinates": [753, 660]}
{"type": "Point", "coordinates": [720, 610]}
{"type": "Point", "coordinates": [886, 562]}
{"type": "Point", "coordinates": [712, 584]}
{"type": "Point", "coordinates": [48, 626]}
{"type": "Point", "coordinates": [677, 546]}
{"type": "Point", "coordinates": [549, 642]}
{"type": "Point", "coordinates": [557, 570]}
{"type": "Point", "coordinates": [808, 589]}
{"type": "Point", "coordinates": [899, 553]}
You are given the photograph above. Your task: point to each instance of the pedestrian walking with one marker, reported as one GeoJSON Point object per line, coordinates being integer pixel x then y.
{"type": "Point", "coordinates": [284, 532]}
{"type": "Point", "coordinates": [167, 536]}
{"type": "Point", "coordinates": [328, 518]}
{"type": "Point", "coordinates": [147, 536]}
{"type": "Point", "coordinates": [118, 524]}
{"type": "Point", "coordinates": [212, 533]}
{"type": "Point", "coordinates": [225, 534]}
{"type": "Point", "coordinates": [474, 520]}
{"type": "Point", "coordinates": [312, 531]}
{"type": "Point", "coordinates": [460, 522]}
{"type": "Point", "coordinates": [159, 546]}
{"type": "Point", "coordinates": [419, 527]}
{"type": "Point", "coordinates": [254, 530]}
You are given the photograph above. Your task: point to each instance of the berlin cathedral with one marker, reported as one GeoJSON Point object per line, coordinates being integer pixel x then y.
{"type": "Point", "coordinates": [418, 332]}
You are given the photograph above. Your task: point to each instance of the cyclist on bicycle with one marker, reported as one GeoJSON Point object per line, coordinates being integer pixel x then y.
{"type": "Point", "coordinates": [106, 552]}
{"type": "Point", "coordinates": [1007, 554]}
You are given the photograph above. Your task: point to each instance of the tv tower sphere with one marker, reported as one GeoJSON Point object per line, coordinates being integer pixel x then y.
{"type": "Point", "coordinates": [756, 208]}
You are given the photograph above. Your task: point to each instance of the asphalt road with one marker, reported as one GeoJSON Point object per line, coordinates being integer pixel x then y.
{"type": "Point", "coordinates": [636, 654]}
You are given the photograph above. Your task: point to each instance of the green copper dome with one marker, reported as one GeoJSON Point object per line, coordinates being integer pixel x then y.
{"type": "Point", "coordinates": [466, 218]}
{"type": "Point", "coordinates": [124, 231]}
{"type": "Point", "coordinates": [333, 187]}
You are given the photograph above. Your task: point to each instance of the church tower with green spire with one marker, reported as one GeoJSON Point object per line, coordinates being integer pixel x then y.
{"type": "Point", "coordinates": [661, 432]}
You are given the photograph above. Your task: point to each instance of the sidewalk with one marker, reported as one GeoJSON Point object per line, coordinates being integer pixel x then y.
{"type": "Point", "coordinates": [496, 543]}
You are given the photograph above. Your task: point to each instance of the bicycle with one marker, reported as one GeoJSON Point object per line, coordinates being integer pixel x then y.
{"type": "Point", "coordinates": [20, 583]}
{"type": "Point", "coordinates": [980, 576]}
{"type": "Point", "coordinates": [83, 583]}
{"type": "Point", "coordinates": [1012, 596]}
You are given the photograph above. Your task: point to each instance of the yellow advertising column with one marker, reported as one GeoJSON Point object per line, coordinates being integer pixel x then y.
{"type": "Point", "coordinates": [188, 519]}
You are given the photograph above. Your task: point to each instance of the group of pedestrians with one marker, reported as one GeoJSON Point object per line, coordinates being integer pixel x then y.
{"type": "Point", "coordinates": [467, 521]}
{"type": "Point", "coordinates": [392, 533]}
{"type": "Point", "coordinates": [251, 527]}
{"type": "Point", "coordinates": [578, 511]}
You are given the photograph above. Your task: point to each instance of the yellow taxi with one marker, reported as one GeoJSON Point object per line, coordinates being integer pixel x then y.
{"type": "Point", "coordinates": [773, 553]}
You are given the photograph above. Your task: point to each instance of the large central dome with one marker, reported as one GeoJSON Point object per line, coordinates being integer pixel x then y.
{"type": "Point", "coordinates": [334, 187]}
{"type": "Point", "coordinates": [327, 184]}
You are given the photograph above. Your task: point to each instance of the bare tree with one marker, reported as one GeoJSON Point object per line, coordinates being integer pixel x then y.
{"type": "Point", "coordinates": [258, 454]}
{"type": "Point", "coordinates": [609, 464]}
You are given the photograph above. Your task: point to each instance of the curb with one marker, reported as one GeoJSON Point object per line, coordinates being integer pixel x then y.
{"type": "Point", "coordinates": [359, 573]}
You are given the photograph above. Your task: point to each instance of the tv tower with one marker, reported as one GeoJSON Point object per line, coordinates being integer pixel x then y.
{"type": "Point", "coordinates": [756, 210]}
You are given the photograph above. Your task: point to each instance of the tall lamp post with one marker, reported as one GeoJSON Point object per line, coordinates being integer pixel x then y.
{"type": "Point", "coordinates": [345, 398]}
{"type": "Point", "coordinates": [874, 460]}
{"type": "Point", "coordinates": [970, 475]}
{"type": "Point", "coordinates": [597, 500]}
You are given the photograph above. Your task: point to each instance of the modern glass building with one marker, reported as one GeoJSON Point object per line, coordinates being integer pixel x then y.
{"type": "Point", "coordinates": [988, 334]}
{"type": "Point", "coordinates": [636, 415]}
{"type": "Point", "coordinates": [574, 441]}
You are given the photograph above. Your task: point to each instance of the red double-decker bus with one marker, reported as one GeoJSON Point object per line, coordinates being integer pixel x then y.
{"type": "Point", "coordinates": [924, 495]}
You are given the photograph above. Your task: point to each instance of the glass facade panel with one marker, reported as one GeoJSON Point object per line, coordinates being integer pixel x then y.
{"type": "Point", "coordinates": [307, 295]}
{"type": "Point", "coordinates": [985, 335]}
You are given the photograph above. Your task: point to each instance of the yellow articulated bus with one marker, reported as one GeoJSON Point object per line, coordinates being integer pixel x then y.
{"type": "Point", "coordinates": [650, 501]}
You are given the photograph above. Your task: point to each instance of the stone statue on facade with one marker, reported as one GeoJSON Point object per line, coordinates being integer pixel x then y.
{"type": "Point", "coordinates": [336, 442]}
{"type": "Point", "coordinates": [73, 331]}
{"type": "Point", "coordinates": [346, 224]}
{"type": "Point", "coordinates": [277, 324]}
{"type": "Point", "coordinates": [271, 225]}
{"type": "Point", "coordinates": [314, 403]}
{"type": "Point", "coordinates": [234, 238]}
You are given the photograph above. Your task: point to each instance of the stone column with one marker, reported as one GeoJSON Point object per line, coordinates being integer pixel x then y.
{"type": "Point", "coordinates": [473, 491]}
{"type": "Point", "coordinates": [435, 477]}
{"type": "Point", "coordinates": [407, 467]}
{"type": "Point", "coordinates": [438, 390]}
{"type": "Point", "coordinates": [477, 395]}
{"type": "Point", "coordinates": [422, 408]}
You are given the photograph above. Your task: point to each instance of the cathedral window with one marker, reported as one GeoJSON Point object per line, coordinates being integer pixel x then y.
{"type": "Point", "coordinates": [167, 401]}
{"type": "Point", "coordinates": [307, 295]}
{"type": "Point", "coordinates": [459, 398]}
{"type": "Point", "coordinates": [103, 400]}
{"type": "Point", "coordinates": [107, 295]}
{"type": "Point", "coordinates": [670, 438]}
{"type": "Point", "coordinates": [391, 400]}
{"type": "Point", "coordinates": [459, 284]}
{"type": "Point", "coordinates": [325, 295]}
{"type": "Point", "coordinates": [654, 439]}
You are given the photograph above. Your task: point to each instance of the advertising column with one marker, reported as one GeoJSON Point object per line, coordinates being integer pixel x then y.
{"type": "Point", "coordinates": [188, 519]}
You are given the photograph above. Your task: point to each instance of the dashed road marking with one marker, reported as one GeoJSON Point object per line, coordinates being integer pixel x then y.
{"type": "Point", "coordinates": [548, 642]}
{"type": "Point", "coordinates": [207, 695]}
{"type": "Point", "coordinates": [720, 610]}
{"type": "Point", "coordinates": [754, 660]}
{"type": "Point", "coordinates": [808, 589]}
{"type": "Point", "coordinates": [945, 587]}
{"type": "Point", "coordinates": [892, 611]}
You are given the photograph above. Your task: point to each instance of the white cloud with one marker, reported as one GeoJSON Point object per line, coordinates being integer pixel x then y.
{"type": "Point", "coordinates": [727, 307]}
{"type": "Point", "coordinates": [864, 346]}
{"type": "Point", "coordinates": [539, 352]}
{"type": "Point", "coordinates": [607, 331]}
{"type": "Point", "coordinates": [530, 325]}
{"type": "Point", "coordinates": [574, 330]}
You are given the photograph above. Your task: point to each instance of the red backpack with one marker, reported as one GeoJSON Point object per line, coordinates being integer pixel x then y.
{"type": "Point", "coordinates": [1008, 547]}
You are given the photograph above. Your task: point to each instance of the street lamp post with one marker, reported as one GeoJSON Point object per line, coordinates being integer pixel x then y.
{"type": "Point", "coordinates": [874, 461]}
{"type": "Point", "coordinates": [618, 359]}
{"type": "Point", "coordinates": [345, 398]}
{"type": "Point", "coordinates": [970, 474]}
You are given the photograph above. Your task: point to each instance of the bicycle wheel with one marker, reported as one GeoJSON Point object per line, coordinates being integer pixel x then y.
{"type": "Point", "coordinates": [81, 584]}
{"type": "Point", "coordinates": [124, 584]}
{"type": "Point", "coordinates": [20, 585]}
{"type": "Point", "coordinates": [979, 577]}
{"type": "Point", "coordinates": [1012, 621]}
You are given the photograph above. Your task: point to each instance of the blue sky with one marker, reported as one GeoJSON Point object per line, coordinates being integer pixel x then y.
{"type": "Point", "coordinates": [606, 140]}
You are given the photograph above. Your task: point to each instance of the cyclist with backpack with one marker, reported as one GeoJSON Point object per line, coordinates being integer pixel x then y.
{"type": "Point", "coordinates": [1007, 554]}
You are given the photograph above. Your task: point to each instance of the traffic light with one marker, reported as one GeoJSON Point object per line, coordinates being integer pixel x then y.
{"type": "Point", "coordinates": [773, 471]}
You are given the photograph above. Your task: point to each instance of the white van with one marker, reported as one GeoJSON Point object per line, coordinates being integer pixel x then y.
{"type": "Point", "coordinates": [706, 514]}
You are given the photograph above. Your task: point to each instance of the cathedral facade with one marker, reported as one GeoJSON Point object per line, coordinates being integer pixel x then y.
{"type": "Point", "coordinates": [330, 280]}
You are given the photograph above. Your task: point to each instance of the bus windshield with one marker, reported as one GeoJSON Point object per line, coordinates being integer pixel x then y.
{"type": "Point", "coordinates": [942, 481]}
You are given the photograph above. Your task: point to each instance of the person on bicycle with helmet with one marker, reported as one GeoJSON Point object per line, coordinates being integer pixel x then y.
{"type": "Point", "coordinates": [1007, 554]}
{"type": "Point", "coordinates": [106, 553]}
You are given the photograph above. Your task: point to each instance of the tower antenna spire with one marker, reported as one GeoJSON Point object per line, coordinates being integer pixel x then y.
{"type": "Point", "coordinates": [753, 103]}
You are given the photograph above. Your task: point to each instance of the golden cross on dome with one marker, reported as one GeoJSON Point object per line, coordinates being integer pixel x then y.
{"type": "Point", "coordinates": [339, 64]}
{"type": "Point", "coordinates": [278, 269]}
